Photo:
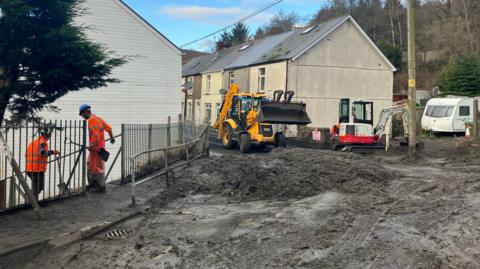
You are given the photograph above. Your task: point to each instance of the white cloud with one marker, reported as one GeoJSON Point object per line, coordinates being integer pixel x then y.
{"type": "Point", "coordinates": [194, 12]}
{"type": "Point", "coordinates": [213, 15]}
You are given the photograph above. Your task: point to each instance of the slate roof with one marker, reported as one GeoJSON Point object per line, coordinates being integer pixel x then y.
{"type": "Point", "coordinates": [299, 42]}
{"type": "Point", "coordinates": [281, 47]}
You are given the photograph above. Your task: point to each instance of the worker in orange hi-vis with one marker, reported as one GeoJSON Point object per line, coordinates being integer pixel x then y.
{"type": "Point", "coordinates": [36, 159]}
{"type": "Point", "coordinates": [96, 134]}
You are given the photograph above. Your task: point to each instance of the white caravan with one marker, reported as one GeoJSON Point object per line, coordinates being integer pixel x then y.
{"type": "Point", "coordinates": [447, 115]}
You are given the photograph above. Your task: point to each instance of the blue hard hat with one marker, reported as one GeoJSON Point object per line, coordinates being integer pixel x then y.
{"type": "Point", "coordinates": [84, 107]}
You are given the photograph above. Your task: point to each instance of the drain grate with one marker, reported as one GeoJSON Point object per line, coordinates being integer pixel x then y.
{"type": "Point", "coordinates": [117, 234]}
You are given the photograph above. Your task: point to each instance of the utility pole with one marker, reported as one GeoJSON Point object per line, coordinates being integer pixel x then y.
{"type": "Point", "coordinates": [412, 95]}
{"type": "Point", "coordinates": [475, 118]}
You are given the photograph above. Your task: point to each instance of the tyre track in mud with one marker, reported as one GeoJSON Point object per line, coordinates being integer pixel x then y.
{"type": "Point", "coordinates": [442, 245]}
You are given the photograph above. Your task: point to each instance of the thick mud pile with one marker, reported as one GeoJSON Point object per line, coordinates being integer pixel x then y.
{"type": "Point", "coordinates": [283, 174]}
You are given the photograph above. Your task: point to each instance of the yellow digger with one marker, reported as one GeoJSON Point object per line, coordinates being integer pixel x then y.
{"type": "Point", "coordinates": [248, 118]}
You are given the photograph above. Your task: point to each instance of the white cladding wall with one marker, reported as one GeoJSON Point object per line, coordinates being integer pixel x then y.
{"type": "Point", "coordinates": [150, 81]}
{"type": "Point", "coordinates": [344, 65]}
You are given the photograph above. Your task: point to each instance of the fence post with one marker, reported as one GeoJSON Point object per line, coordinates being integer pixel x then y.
{"type": "Point", "coordinates": [169, 132]}
{"type": "Point", "coordinates": [206, 142]}
{"type": "Point", "coordinates": [180, 129]}
{"type": "Point", "coordinates": [84, 156]}
{"type": "Point", "coordinates": [150, 127]}
{"type": "Point", "coordinates": [165, 155]}
{"type": "Point", "coordinates": [12, 190]}
{"type": "Point", "coordinates": [122, 141]}
{"type": "Point", "coordinates": [194, 131]}
{"type": "Point", "coordinates": [133, 181]}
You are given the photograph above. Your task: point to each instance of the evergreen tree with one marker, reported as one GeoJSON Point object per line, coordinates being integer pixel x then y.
{"type": "Point", "coordinates": [239, 34]}
{"type": "Point", "coordinates": [393, 54]}
{"type": "Point", "coordinates": [225, 37]}
{"type": "Point", "coordinates": [43, 56]}
{"type": "Point", "coordinates": [461, 77]}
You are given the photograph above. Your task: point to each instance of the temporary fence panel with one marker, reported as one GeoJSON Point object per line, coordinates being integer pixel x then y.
{"type": "Point", "coordinates": [152, 163]}
{"type": "Point", "coordinates": [68, 138]}
{"type": "Point", "coordinates": [138, 138]}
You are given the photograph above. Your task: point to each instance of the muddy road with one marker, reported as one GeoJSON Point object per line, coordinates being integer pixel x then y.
{"type": "Point", "coordinates": [298, 208]}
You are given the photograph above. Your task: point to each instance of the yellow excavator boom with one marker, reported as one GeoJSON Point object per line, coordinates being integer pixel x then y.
{"type": "Point", "coordinates": [226, 105]}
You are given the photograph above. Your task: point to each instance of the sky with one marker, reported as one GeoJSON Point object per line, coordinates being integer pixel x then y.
{"type": "Point", "coordinates": [183, 21]}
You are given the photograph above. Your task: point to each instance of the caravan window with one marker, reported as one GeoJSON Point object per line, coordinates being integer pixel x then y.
{"type": "Point", "coordinates": [464, 111]}
{"type": "Point", "coordinates": [429, 110]}
{"type": "Point", "coordinates": [439, 111]}
{"type": "Point", "coordinates": [449, 111]}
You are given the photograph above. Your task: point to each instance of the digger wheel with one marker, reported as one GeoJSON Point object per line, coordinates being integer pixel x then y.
{"type": "Point", "coordinates": [245, 143]}
{"type": "Point", "coordinates": [227, 138]}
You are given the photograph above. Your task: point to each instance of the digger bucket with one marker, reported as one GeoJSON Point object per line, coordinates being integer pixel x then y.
{"type": "Point", "coordinates": [283, 113]}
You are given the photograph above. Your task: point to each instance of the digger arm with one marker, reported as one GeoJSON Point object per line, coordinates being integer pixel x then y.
{"type": "Point", "coordinates": [226, 105]}
{"type": "Point", "coordinates": [389, 112]}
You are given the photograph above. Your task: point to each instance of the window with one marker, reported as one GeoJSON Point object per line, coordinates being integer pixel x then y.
{"type": "Point", "coordinates": [449, 111]}
{"type": "Point", "coordinates": [218, 108]}
{"type": "Point", "coordinates": [362, 112]}
{"type": "Point", "coordinates": [308, 30]}
{"type": "Point", "coordinates": [189, 110]}
{"type": "Point", "coordinates": [209, 84]}
{"type": "Point", "coordinates": [428, 111]}
{"type": "Point", "coordinates": [464, 111]}
{"type": "Point", "coordinates": [231, 79]}
{"type": "Point", "coordinates": [344, 110]}
{"type": "Point", "coordinates": [189, 85]}
{"type": "Point", "coordinates": [439, 111]}
{"type": "Point", "coordinates": [208, 113]}
{"type": "Point", "coordinates": [244, 47]}
{"type": "Point", "coordinates": [261, 79]}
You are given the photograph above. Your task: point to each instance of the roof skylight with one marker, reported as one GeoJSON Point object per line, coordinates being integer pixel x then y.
{"type": "Point", "coordinates": [308, 30]}
{"type": "Point", "coordinates": [244, 47]}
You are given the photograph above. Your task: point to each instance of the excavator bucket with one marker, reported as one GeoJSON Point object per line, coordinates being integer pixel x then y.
{"type": "Point", "coordinates": [283, 113]}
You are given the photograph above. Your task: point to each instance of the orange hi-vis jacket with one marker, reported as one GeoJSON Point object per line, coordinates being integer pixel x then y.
{"type": "Point", "coordinates": [36, 156]}
{"type": "Point", "coordinates": [96, 132]}
{"type": "Point", "coordinates": [96, 135]}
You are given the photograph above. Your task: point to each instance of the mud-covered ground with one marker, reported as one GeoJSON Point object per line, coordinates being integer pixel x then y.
{"type": "Point", "coordinates": [299, 208]}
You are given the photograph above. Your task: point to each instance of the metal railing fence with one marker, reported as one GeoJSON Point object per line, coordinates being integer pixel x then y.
{"type": "Point", "coordinates": [138, 138]}
{"type": "Point", "coordinates": [69, 167]}
{"type": "Point", "coordinates": [152, 163]}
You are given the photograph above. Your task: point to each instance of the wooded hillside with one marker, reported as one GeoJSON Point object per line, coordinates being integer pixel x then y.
{"type": "Point", "coordinates": [446, 31]}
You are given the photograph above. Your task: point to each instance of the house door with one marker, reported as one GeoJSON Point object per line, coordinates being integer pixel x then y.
{"type": "Point", "coordinates": [362, 112]}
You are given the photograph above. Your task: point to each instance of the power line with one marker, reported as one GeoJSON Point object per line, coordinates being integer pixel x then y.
{"type": "Point", "coordinates": [238, 21]}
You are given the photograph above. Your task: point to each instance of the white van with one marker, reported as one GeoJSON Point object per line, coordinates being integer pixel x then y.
{"type": "Point", "coordinates": [447, 114]}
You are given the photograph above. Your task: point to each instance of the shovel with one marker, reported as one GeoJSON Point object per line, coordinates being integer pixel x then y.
{"type": "Point", "coordinates": [62, 183]}
{"type": "Point", "coordinates": [64, 187]}
{"type": "Point", "coordinates": [103, 153]}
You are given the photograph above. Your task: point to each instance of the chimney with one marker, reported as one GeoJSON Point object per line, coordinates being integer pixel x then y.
{"type": "Point", "coordinates": [219, 46]}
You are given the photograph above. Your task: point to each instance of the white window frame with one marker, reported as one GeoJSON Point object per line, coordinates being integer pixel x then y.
{"type": "Point", "coordinates": [209, 84]}
{"type": "Point", "coordinates": [261, 79]}
{"type": "Point", "coordinates": [208, 112]}
{"type": "Point", "coordinates": [231, 78]}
